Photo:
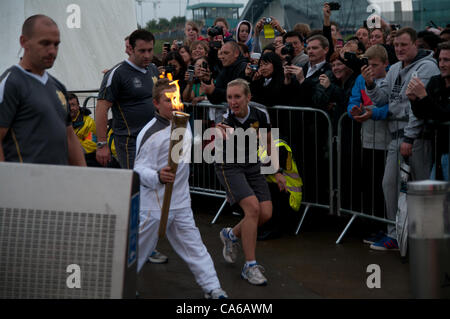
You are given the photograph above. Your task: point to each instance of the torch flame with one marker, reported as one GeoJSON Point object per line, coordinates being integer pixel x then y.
{"type": "Point", "coordinates": [175, 97]}
{"type": "Point", "coordinates": [163, 75]}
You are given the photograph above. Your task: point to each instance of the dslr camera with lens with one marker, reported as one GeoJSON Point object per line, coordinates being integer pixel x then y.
{"type": "Point", "coordinates": [334, 6]}
{"type": "Point", "coordinates": [215, 31]}
{"type": "Point", "coordinates": [169, 69]}
{"type": "Point", "coordinates": [267, 20]}
{"type": "Point", "coordinates": [353, 60]}
{"type": "Point", "coordinates": [288, 50]}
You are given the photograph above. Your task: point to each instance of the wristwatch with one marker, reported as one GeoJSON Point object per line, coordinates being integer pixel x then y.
{"type": "Point", "coordinates": [101, 144]}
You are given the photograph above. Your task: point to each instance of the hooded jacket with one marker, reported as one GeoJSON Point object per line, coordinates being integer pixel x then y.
{"type": "Point", "coordinates": [392, 90]}
{"type": "Point", "coordinates": [249, 41]}
{"type": "Point", "coordinates": [374, 132]}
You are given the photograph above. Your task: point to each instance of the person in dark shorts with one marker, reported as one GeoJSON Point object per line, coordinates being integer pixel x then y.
{"type": "Point", "coordinates": [127, 89]}
{"type": "Point", "coordinates": [35, 123]}
{"type": "Point", "coordinates": [240, 175]}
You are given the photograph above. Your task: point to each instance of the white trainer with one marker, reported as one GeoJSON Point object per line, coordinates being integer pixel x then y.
{"type": "Point", "coordinates": [230, 248]}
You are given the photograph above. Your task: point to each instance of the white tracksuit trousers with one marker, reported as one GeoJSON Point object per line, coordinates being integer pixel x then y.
{"type": "Point", "coordinates": [185, 239]}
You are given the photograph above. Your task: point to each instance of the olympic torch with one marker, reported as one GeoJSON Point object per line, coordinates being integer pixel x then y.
{"type": "Point", "coordinates": [179, 121]}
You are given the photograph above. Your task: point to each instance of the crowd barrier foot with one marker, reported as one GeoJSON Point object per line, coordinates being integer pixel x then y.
{"type": "Point", "coordinates": [219, 212]}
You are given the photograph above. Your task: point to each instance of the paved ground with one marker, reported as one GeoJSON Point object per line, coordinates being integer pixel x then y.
{"type": "Point", "coordinates": [307, 265]}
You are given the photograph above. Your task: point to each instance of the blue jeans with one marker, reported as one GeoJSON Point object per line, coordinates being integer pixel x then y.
{"type": "Point", "coordinates": [444, 164]}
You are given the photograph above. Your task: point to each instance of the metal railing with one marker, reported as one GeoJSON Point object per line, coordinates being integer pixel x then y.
{"type": "Point", "coordinates": [309, 161]}
{"type": "Point", "coordinates": [339, 173]}
{"type": "Point", "coordinates": [360, 167]}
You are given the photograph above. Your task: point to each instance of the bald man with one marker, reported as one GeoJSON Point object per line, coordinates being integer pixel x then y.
{"type": "Point", "coordinates": [234, 65]}
{"type": "Point", "coordinates": [35, 124]}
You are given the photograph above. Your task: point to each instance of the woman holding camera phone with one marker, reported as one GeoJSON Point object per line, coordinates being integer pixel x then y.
{"type": "Point", "coordinates": [173, 63]}
{"type": "Point", "coordinates": [193, 91]}
{"type": "Point", "coordinates": [267, 81]}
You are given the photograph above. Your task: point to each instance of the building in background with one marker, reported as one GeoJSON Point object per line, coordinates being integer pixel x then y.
{"type": "Point", "coordinates": [352, 14]}
{"type": "Point", "coordinates": [206, 13]}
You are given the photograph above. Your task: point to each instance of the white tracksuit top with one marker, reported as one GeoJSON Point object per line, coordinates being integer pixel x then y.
{"type": "Point", "coordinates": [152, 150]}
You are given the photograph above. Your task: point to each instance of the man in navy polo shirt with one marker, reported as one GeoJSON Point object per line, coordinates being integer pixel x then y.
{"type": "Point", "coordinates": [127, 89]}
{"type": "Point", "coordinates": [35, 124]}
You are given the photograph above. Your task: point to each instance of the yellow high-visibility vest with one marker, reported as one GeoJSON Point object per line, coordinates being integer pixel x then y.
{"type": "Point", "coordinates": [293, 180]}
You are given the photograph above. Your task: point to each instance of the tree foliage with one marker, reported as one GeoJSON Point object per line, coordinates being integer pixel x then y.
{"type": "Point", "coordinates": [163, 24]}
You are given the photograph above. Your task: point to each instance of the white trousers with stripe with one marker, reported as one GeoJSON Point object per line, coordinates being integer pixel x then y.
{"type": "Point", "coordinates": [185, 239]}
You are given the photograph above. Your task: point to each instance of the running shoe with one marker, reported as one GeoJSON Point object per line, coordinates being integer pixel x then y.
{"type": "Point", "coordinates": [373, 238]}
{"type": "Point", "coordinates": [157, 258]}
{"type": "Point", "coordinates": [218, 293]}
{"type": "Point", "coordinates": [230, 247]}
{"type": "Point", "coordinates": [254, 275]}
{"type": "Point", "coordinates": [386, 243]}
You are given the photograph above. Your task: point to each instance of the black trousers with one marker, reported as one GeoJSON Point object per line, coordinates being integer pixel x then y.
{"type": "Point", "coordinates": [126, 150]}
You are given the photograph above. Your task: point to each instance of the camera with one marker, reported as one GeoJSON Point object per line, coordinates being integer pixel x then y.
{"type": "Point", "coordinates": [215, 31]}
{"type": "Point", "coordinates": [215, 44]}
{"type": "Point", "coordinates": [191, 72]}
{"type": "Point", "coordinates": [179, 43]}
{"type": "Point", "coordinates": [254, 67]}
{"type": "Point", "coordinates": [205, 65]}
{"type": "Point", "coordinates": [169, 69]}
{"type": "Point", "coordinates": [395, 27]}
{"type": "Point", "coordinates": [288, 49]}
{"type": "Point", "coordinates": [365, 61]}
{"type": "Point", "coordinates": [334, 6]}
{"type": "Point", "coordinates": [267, 20]}
{"type": "Point", "coordinates": [167, 46]}
{"type": "Point", "coordinates": [353, 60]}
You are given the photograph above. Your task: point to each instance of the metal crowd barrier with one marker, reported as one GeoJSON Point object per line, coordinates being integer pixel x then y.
{"type": "Point", "coordinates": [203, 179]}
{"type": "Point", "coordinates": [90, 102]}
{"type": "Point", "coordinates": [312, 149]}
{"type": "Point", "coordinates": [309, 133]}
{"type": "Point", "coordinates": [309, 146]}
{"type": "Point", "coordinates": [361, 167]}
{"type": "Point", "coordinates": [350, 185]}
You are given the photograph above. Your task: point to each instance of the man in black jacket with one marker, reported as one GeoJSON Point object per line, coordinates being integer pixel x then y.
{"type": "Point", "coordinates": [308, 77]}
{"type": "Point", "coordinates": [314, 143]}
{"type": "Point", "coordinates": [234, 66]}
{"type": "Point", "coordinates": [433, 103]}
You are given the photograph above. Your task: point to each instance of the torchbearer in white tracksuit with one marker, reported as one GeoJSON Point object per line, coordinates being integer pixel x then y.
{"type": "Point", "coordinates": [152, 151]}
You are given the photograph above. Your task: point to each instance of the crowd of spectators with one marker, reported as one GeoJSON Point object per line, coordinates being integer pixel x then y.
{"type": "Point", "coordinates": [324, 70]}
{"type": "Point", "coordinates": [393, 82]}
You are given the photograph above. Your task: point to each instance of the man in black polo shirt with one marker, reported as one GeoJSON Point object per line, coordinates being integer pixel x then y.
{"type": "Point", "coordinates": [240, 175]}
{"type": "Point", "coordinates": [35, 125]}
{"type": "Point", "coordinates": [128, 90]}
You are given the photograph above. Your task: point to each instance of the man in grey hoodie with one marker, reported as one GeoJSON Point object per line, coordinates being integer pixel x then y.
{"type": "Point", "coordinates": [408, 141]}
